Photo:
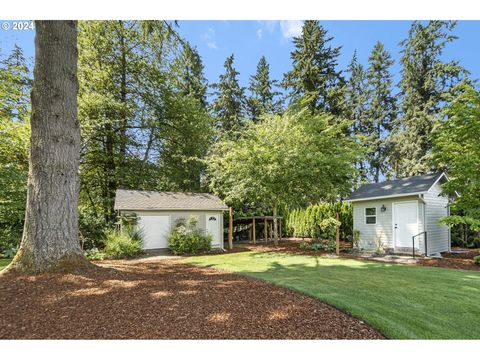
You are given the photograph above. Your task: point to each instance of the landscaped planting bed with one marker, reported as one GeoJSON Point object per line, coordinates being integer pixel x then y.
{"type": "Point", "coordinates": [164, 300]}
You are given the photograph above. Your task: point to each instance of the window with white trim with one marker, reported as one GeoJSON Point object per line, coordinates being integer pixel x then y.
{"type": "Point", "coordinates": [370, 215]}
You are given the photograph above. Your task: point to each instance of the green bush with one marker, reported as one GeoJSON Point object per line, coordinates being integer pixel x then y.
{"type": "Point", "coordinates": [186, 238]}
{"type": "Point", "coordinates": [92, 228]}
{"type": "Point", "coordinates": [94, 254]}
{"type": "Point", "coordinates": [119, 245]}
{"type": "Point", "coordinates": [319, 221]}
{"type": "Point", "coordinates": [304, 245]}
{"type": "Point", "coordinates": [476, 260]}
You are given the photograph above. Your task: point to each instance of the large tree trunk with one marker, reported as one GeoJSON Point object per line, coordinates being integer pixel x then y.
{"type": "Point", "coordinates": [50, 236]}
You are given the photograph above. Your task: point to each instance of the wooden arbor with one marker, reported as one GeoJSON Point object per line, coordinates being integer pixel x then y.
{"type": "Point", "coordinates": [252, 221]}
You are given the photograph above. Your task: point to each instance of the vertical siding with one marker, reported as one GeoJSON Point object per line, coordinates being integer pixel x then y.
{"type": "Point", "coordinates": [436, 208]}
{"type": "Point", "coordinates": [383, 229]}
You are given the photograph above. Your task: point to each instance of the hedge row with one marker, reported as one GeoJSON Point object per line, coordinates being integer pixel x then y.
{"type": "Point", "coordinates": [319, 221]}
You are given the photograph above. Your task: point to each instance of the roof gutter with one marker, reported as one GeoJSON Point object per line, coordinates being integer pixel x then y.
{"type": "Point", "coordinates": [385, 197]}
{"type": "Point", "coordinates": [168, 209]}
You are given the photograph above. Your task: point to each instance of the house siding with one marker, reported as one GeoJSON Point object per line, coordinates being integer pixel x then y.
{"type": "Point", "coordinates": [175, 216]}
{"type": "Point", "coordinates": [383, 229]}
{"type": "Point", "coordinates": [437, 234]}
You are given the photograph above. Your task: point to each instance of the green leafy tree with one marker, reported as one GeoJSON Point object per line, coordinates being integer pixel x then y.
{"type": "Point", "coordinates": [457, 150]}
{"type": "Point", "coordinates": [229, 103]}
{"type": "Point", "coordinates": [15, 86]}
{"type": "Point", "coordinates": [314, 76]}
{"type": "Point", "coordinates": [263, 98]}
{"type": "Point", "coordinates": [381, 109]}
{"type": "Point", "coordinates": [427, 83]}
{"type": "Point", "coordinates": [284, 160]}
{"type": "Point", "coordinates": [144, 121]}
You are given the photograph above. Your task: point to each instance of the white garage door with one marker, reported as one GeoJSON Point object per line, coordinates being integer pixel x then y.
{"type": "Point", "coordinates": [155, 231]}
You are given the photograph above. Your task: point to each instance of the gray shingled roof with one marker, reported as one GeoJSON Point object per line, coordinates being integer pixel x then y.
{"type": "Point", "coordinates": [393, 188]}
{"type": "Point", "coordinates": [152, 200]}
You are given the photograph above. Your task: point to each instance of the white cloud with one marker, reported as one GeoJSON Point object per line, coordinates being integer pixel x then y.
{"type": "Point", "coordinates": [209, 38]}
{"type": "Point", "coordinates": [268, 25]}
{"type": "Point", "coordinates": [259, 34]}
{"type": "Point", "coordinates": [291, 28]}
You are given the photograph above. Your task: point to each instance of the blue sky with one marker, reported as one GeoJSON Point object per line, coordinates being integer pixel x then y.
{"type": "Point", "coordinates": [249, 40]}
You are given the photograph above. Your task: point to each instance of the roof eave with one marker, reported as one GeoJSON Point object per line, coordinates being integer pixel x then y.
{"type": "Point", "coordinates": [386, 196]}
{"type": "Point", "coordinates": [170, 209]}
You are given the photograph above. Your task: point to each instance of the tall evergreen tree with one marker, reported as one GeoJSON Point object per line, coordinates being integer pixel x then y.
{"type": "Point", "coordinates": [427, 82]}
{"type": "Point", "coordinates": [355, 105]}
{"type": "Point", "coordinates": [262, 99]}
{"type": "Point", "coordinates": [314, 76]}
{"type": "Point", "coordinates": [15, 85]}
{"type": "Point", "coordinates": [381, 109]}
{"type": "Point", "coordinates": [190, 78]}
{"type": "Point", "coordinates": [50, 237]}
{"type": "Point", "coordinates": [229, 104]}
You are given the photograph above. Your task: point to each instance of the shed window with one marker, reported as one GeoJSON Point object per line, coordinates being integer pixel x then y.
{"type": "Point", "coordinates": [371, 215]}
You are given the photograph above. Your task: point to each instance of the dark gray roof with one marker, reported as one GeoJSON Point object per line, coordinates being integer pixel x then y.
{"type": "Point", "coordinates": [152, 200]}
{"type": "Point", "coordinates": [393, 188]}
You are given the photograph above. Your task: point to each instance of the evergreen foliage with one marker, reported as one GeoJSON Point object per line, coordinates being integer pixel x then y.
{"type": "Point", "coordinates": [427, 83]}
{"type": "Point", "coordinates": [229, 103]}
{"type": "Point", "coordinates": [314, 76]}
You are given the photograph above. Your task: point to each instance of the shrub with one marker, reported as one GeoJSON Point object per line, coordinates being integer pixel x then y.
{"type": "Point", "coordinates": [121, 245]}
{"type": "Point", "coordinates": [94, 254]}
{"type": "Point", "coordinates": [476, 260]}
{"type": "Point", "coordinates": [356, 239]}
{"type": "Point", "coordinates": [186, 238]}
{"type": "Point", "coordinates": [304, 245]}
{"type": "Point", "coordinates": [91, 228]}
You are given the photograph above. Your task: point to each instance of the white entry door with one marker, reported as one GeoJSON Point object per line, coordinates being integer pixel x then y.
{"type": "Point", "coordinates": [405, 223]}
{"type": "Point", "coordinates": [212, 221]}
{"type": "Point", "coordinates": [155, 230]}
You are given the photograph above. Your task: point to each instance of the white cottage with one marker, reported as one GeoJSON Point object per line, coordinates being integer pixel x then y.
{"type": "Point", "coordinates": [158, 213]}
{"type": "Point", "coordinates": [397, 215]}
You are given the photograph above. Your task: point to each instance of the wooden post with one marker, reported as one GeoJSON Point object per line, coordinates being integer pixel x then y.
{"type": "Point", "coordinates": [230, 230]}
{"type": "Point", "coordinates": [254, 232]}
{"type": "Point", "coordinates": [265, 230]}
{"type": "Point", "coordinates": [280, 230]}
{"type": "Point", "coordinates": [338, 237]}
{"type": "Point", "coordinates": [271, 231]}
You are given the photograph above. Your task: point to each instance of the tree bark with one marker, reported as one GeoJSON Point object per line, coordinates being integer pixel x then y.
{"type": "Point", "coordinates": [275, 225]}
{"type": "Point", "coordinates": [50, 237]}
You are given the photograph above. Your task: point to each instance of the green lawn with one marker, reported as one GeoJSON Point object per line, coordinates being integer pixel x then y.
{"type": "Point", "coordinates": [401, 301]}
{"type": "Point", "coordinates": [4, 262]}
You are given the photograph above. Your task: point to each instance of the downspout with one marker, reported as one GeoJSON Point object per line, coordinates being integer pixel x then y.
{"type": "Point", "coordinates": [424, 222]}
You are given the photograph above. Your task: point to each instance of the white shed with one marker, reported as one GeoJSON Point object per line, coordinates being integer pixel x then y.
{"type": "Point", "coordinates": [401, 214]}
{"type": "Point", "coordinates": [158, 213]}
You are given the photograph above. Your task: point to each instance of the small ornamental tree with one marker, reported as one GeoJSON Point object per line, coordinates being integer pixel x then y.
{"type": "Point", "coordinates": [288, 160]}
{"type": "Point", "coordinates": [457, 150]}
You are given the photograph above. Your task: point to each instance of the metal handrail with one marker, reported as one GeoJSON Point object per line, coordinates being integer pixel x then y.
{"type": "Point", "coordinates": [413, 243]}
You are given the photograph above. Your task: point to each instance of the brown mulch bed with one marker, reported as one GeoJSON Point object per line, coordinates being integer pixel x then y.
{"type": "Point", "coordinates": [455, 260]}
{"type": "Point", "coordinates": [286, 246]}
{"type": "Point", "coordinates": [164, 300]}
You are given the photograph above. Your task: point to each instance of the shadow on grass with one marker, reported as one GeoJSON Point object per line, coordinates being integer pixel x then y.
{"type": "Point", "coordinates": [402, 301]}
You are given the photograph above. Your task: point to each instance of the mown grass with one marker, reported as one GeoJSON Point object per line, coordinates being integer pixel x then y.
{"type": "Point", "coordinates": [4, 263]}
{"type": "Point", "coordinates": [400, 301]}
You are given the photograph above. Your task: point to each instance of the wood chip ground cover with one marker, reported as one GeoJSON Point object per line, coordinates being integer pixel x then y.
{"type": "Point", "coordinates": [164, 300]}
